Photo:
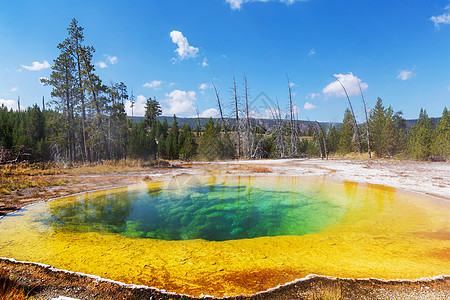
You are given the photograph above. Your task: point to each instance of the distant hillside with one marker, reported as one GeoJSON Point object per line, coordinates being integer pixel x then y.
{"type": "Point", "coordinates": [268, 123]}
{"type": "Point", "coordinates": [410, 123]}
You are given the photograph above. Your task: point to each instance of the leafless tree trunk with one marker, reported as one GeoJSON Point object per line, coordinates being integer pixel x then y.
{"type": "Point", "coordinates": [237, 116]}
{"type": "Point", "coordinates": [247, 117]}
{"type": "Point", "coordinates": [324, 139]}
{"type": "Point", "coordinates": [278, 130]}
{"type": "Point", "coordinates": [220, 106]}
{"type": "Point", "coordinates": [367, 120]}
{"type": "Point", "coordinates": [358, 137]}
{"type": "Point", "coordinates": [198, 122]}
{"type": "Point", "coordinates": [291, 124]}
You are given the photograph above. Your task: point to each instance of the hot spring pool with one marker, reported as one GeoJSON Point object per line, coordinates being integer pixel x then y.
{"type": "Point", "coordinates": [233, 235]}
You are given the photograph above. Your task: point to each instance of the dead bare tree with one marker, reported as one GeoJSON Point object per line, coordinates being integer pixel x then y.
{"type": "Point", "coordinates": [22, 152]}
{"type": "Point", "coordinates": [199, 129]}
{"type": "Point", "coordinates": [277, 130]}
{"type": "Point", "coordinates": [358, 137]}
{"type": "Point", "coordinates": [291, 123]}
{"type": "Point", "coordinates": [248, 129]}
{"type": "Point", "coordinates": [324, 139]}
{"type": "Point", "coordinates": [237, 116]}
{"type": "Point", "coordinates": [367, 120]}
{"type": "Point", "coordinates": [219, 105]}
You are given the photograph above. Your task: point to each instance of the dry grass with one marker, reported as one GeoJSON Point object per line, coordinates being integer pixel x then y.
{"type": "Point", "coordinates": [110, 166]}
{"type": "Point", "coordinates": [260, 170]}
{"type": "Point", "coordinates": [9, 289]}
{"type": "Point", "coordinates": [352, 155]}
{"type": "Point", "coordinates": [15, 177]}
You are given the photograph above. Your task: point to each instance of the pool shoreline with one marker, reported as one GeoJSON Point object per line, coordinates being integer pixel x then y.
{"type": "Point", "coordinates": [273, 293]}
{"type": "Point", "coordinates": [96, 286]}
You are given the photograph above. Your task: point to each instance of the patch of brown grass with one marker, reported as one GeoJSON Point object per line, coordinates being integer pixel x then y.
{"type": "Point", "coordinates": [113, 166]}
{"type": "Point", "coordinates": [10, 289]}
{"type": "Point", "coordinates": [331, 291]}
{"type": "Point", "coordinates": [16, 177]}
{"type": "Point", "coordinates": [260, 170]}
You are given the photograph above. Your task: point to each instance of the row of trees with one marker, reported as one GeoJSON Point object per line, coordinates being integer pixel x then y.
{"type": "Point", "coordinates": [87, 122]}
{"type": "Point", "coordinates": [390, 138]}
{"type": "Point", "coordinates": [31, 134]}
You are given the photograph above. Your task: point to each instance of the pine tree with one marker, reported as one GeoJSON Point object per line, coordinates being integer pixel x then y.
{"type": "Point", "coordinates": [420, 137]}
{"type": "Point", "coordinates": [152, 111]}
{"type": "Point", "coordinates": [73, 47]}
{"type": "Point", "coordinates": [441, 136]}
{"type": "Point", "coordinates": [377, 119]}
{"type": "Point", "coordinates": [213, 146]}
{"type": "Point", "coordinates": [400, 133]}
{"type": "Point", "coordinates": [64, 100]}
{"type": "Point", "coordinates": [97, 107]}
{"type": "Point", "coordinates": [389, 133]}
{"type": "Point", "coordinates": [347, 133]}
{"type": "Point", "coordinates": [333, 138]}
{"type": "Point", "coordinates": [186, 143]}
{"type": "Point", "coordinates": [172, 140]}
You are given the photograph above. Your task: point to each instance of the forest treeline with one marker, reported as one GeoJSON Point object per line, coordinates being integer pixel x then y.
{"type": "Point", "coordinates": [86, 122]}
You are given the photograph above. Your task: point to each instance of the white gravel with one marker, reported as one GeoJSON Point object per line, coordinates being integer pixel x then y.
{"type": "Point", "coordinates": [431, 178]}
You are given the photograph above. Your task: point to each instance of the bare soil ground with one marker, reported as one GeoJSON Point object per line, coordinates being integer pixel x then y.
{"type": "Point", "coordinates": [44, 282]}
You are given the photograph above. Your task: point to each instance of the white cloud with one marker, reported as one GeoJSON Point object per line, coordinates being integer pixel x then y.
{"type": "Point", "coordinates": [209, 113]}
{"type": "Point", "coordinates": [101, 64]}
{"type": "Point", "coordinates": [155, 84]}
{"type": "Point", "coordinates": [180, 102]}
{"type": "Point", "coordinates": [112, 59]}
{"type": "Point", "coordinates": [184, 50]}
{"type": "Point", "coordinates": [237, 4]}
{"type": "Point", "coordinates": [312, 52]}
{"type": "Point", "coordinates": [37, 66]}
{"type": "Point", "coordinates": [172, 84]}
{"type": "Point", "coordinates": [205, 62]}
{"type": "Point", "coordinates": [265, 114]}
{"type": "Point", "coordinates": [441, 19]}
{"type": "Point", "coordinates": [309, 106]}
{"type": "Point", "coordinates": [405, 74]}
{"type": "Point", "coordinates": [291, 84]}
{"type": "Point", "coordinates": [350, 83]}
{"type": "Point", "coordinates": [203, 86]}
{"type": "Point", "coordinates": [14, 89]}
{"type": "Point", "coordinates": [139, 106]}
{"type": "Point", "coordinates": [313, 95]}
{"type": "Point", "coordinates": [10, 104]}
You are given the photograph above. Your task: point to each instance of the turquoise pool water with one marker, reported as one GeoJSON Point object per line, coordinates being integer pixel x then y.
{"type": "Point", "coordinates": [214, 210]}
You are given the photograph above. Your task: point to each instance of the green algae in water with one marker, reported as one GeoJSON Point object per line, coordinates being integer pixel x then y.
{"type": "Point", "coordinates": [218, 211]}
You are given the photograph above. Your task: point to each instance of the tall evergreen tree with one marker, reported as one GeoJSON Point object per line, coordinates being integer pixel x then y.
{"type": "Point", "coordinates": [186, 143]}
{"type": "Point", "coordinates": [333, 138]}
{"type": "Point", "coordinates": [377, 119]}
{"type": "Point", "coordinates": [73, 46]}
{"type": "Point", "coordinates": [420, 137]}
{"type": "Point", "coordinates": [64, 100]}
{"type": "Point", "coordinates": [347, 133]}
{"type": "Point", "coordinates": [441, 136]}
{"type": "Point", "coordinates": [172, 140]}
{"type": "Point", "coordinates": [152, 111]}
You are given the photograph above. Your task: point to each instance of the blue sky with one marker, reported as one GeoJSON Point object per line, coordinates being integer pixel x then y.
{"type": "Point", "coordinates": [174, 49]}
